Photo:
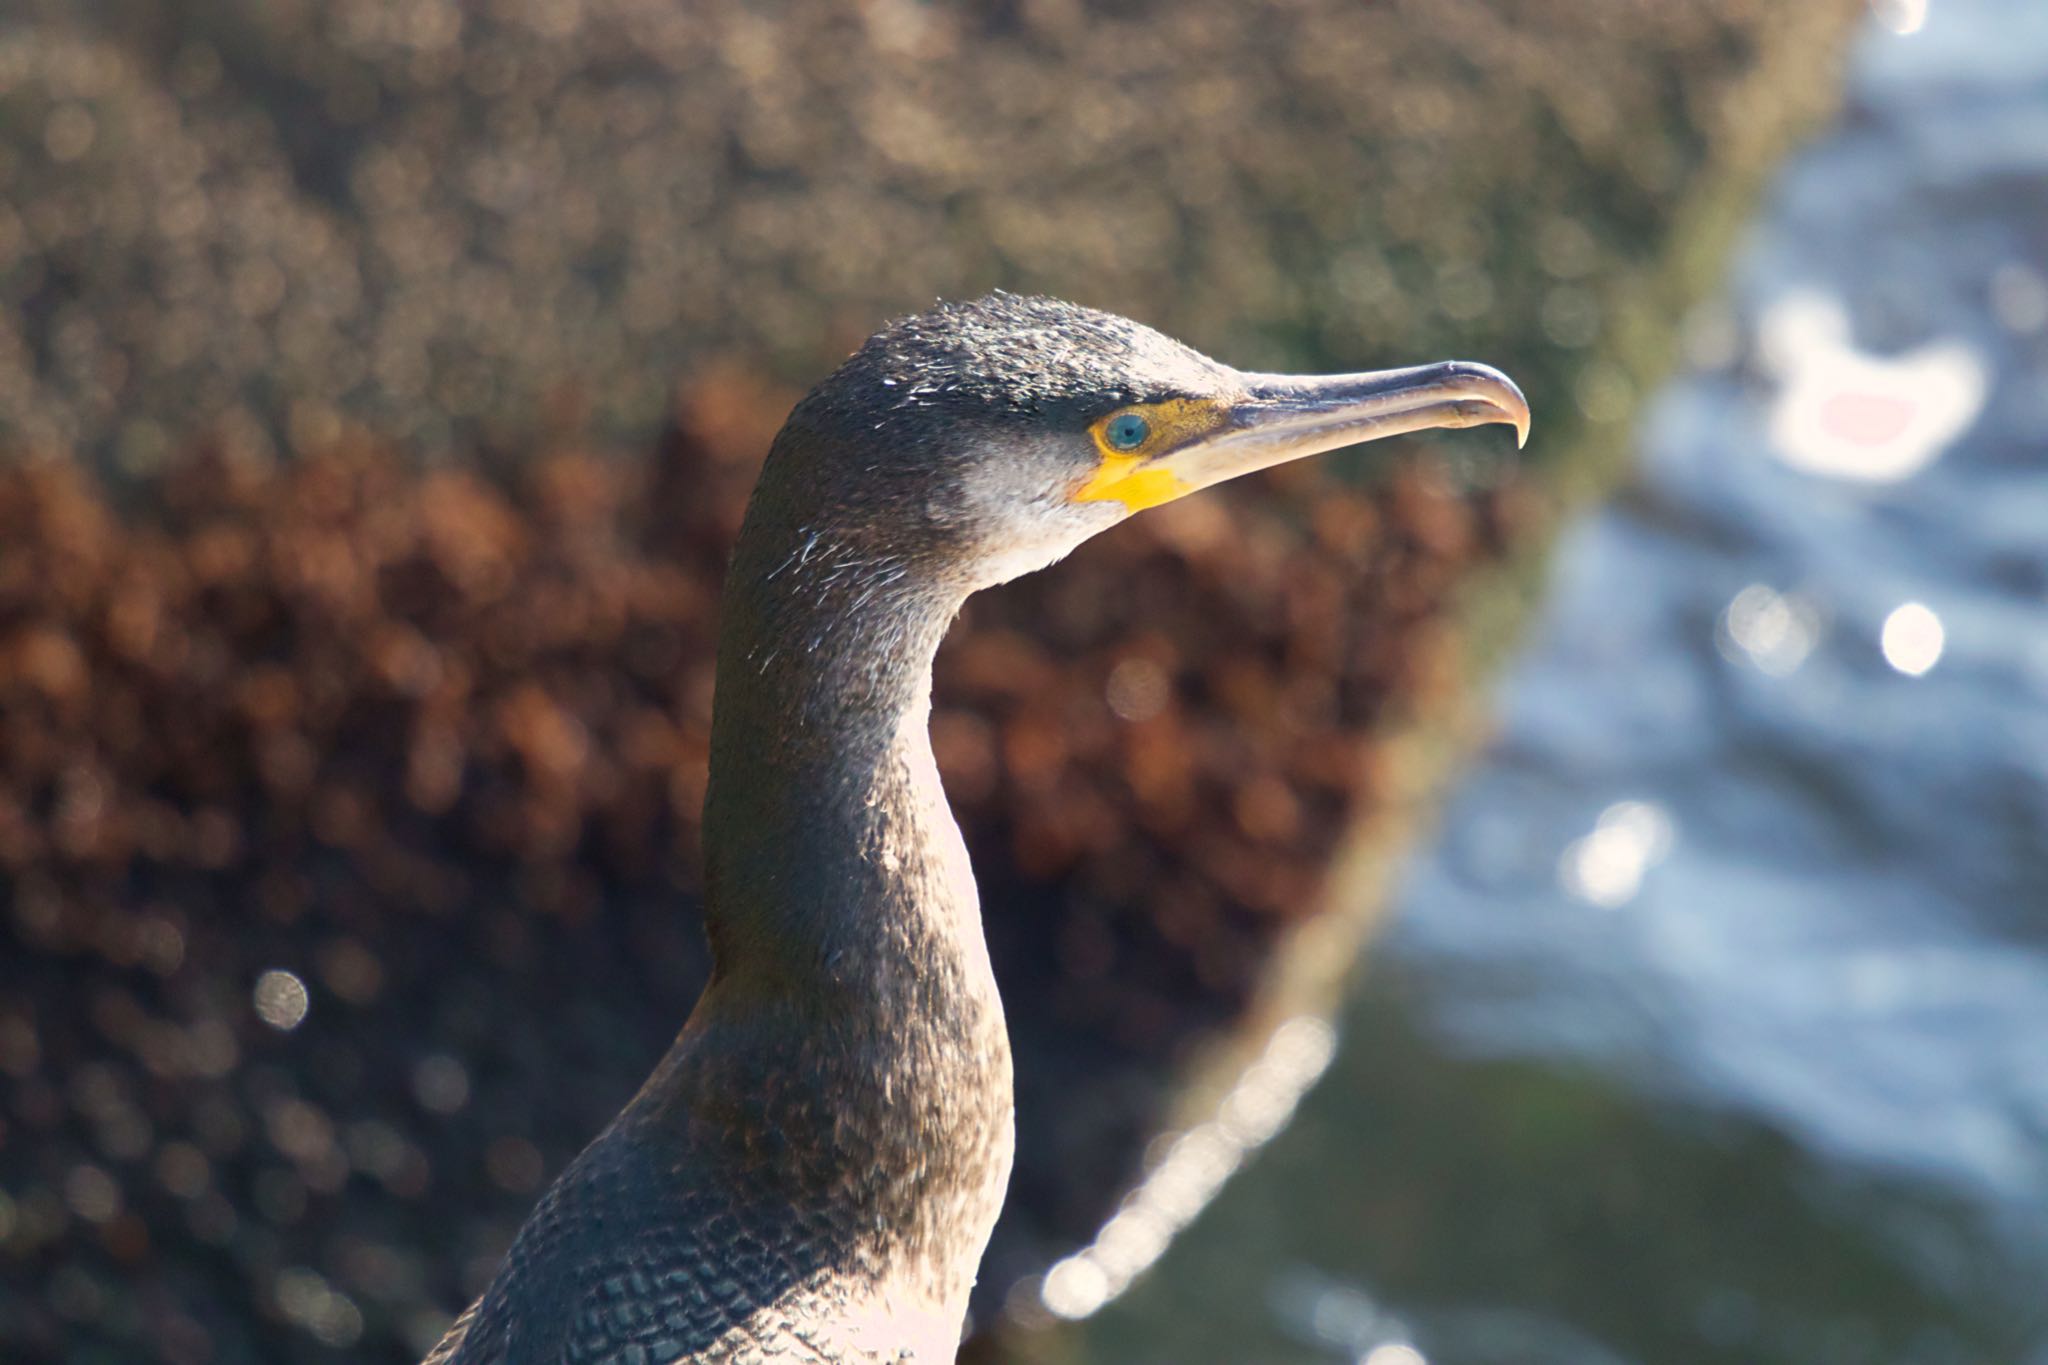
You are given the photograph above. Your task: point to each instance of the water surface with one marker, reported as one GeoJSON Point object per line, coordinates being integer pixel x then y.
{"type": "Point", "coordinates": [1715, 1025]}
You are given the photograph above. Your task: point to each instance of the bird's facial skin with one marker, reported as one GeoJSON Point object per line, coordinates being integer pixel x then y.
{"type": "Point", "coordinates": [1131, 442]}
{"type": "Point", "coordinates": [1152, 453]}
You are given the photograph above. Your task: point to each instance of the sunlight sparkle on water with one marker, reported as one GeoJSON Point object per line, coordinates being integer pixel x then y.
{"type": "Point", "coordinates": [1606, 867]}
{"type": "Point", "coordinates": [1913, 638]}
{"type": "Point", "coordinates": [1393, 1353]}
{"type": "Point", "coordinates": [1847, 414]}
{"type": "Point", "coordinates": [1771, 630]}
{"type": "Point", "coordinates": [1903, 17]}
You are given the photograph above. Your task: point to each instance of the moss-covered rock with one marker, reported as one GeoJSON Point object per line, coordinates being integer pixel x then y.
{"type": "Point", "coordinates": [437, 216]}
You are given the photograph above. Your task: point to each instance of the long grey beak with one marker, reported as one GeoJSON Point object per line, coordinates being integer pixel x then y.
{"type": "Point", "coordinates": [1289, 416]}
{"type": "Point", "coordinates": [1282, 417]}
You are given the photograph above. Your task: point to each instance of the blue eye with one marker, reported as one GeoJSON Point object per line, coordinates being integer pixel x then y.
{"type": "Point", "coordinates": [1126, 431]}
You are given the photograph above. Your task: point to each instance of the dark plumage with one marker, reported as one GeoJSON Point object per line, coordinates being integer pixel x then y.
{"type": "Point", "coordinates": [812, 1171]}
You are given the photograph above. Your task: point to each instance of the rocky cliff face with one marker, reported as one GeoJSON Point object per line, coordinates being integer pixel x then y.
{"type": "Point", "coordinates": [453, 220]}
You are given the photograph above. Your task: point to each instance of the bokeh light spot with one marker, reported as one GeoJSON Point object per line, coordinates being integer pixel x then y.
{"type": "Point", "coordinates": [1771, 630]}
{"type": "Point", "coordinates": [1606, 868]}
{"type": "Point", "coordinates": [1393, 1353]}
{"type": "Point", "coordinates": [1193, 1169]}
{"type": "Point", "coordinates": [1138, 689]}
{"type": "Point", "coordinates": [2019, 297]}
{"type": "Point", "coordinates": [92, 1194]}
{"type": "Point", "coordinates": [440, 1083]}
{"type": "Point", "coordinates": [281, 1000]}
{"type": "Point", "coordinates": [1913, 638]}
{"type": "Point", "coordinates": [1903, 17]}
{"type": "Point", "coordinates": [325, 1313]}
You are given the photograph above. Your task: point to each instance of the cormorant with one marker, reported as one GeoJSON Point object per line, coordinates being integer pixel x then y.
{"type": "Point", "coordinates": [812, 1171]}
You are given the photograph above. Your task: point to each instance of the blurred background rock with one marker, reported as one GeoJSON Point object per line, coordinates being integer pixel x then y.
{"type": "Point", "coordinates": [436, 217]}
{"type": "Point", "coordinates": [382, 382]}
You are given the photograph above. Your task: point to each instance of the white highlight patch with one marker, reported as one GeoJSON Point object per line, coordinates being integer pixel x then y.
{"type": "Point", "coordinates": [1903, 17]}
{"type": "Point", "coordinates": [1606, 867]}
{"type": "Point", "coordinates": [1913, 638]}
{"type": "Point", "coordinates": [281, 1000]}
{"type": "Point", "coordinates": [1772, 631]}
{"type": "Point", "coordinates": [1393, 1353]}
{"type": "Point", "coordinates": [1846, 414]}
{"type": "Point", "coordinates": [1194, 1169]}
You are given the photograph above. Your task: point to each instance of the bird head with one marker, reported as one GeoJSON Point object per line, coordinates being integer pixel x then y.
{"type": "Point", "coordinates": [982, 440]}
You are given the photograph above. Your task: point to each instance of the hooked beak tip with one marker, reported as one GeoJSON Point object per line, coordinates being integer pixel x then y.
{"type": "Point", "coordinates": [1485, 396]}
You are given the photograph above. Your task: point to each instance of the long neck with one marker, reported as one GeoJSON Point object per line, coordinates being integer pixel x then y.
{"type": "Point", "coordinates": [833, 863]}
{"type": "Point", "coordinates": [848, 959]}
{"type": "Point", "coordinates": [844, 1084]}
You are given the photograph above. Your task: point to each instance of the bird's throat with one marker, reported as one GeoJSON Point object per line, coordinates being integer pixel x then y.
{"type": "Point", "coordinates": [849, 962]}
{"type": "Point", "coordinates": [830, 849]}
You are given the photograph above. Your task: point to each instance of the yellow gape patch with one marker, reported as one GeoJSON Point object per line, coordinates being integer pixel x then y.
{"type": "Point", "coordinates": [1135, 444]}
